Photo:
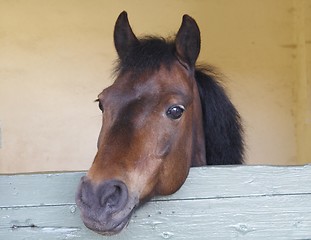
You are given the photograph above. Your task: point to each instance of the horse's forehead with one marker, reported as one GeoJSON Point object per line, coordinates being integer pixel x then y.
{"type": "Point", "coordinates": [173, 79]}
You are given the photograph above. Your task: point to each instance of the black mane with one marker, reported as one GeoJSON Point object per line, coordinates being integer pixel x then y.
{"type": "Point", "coordinates": [222, 123]}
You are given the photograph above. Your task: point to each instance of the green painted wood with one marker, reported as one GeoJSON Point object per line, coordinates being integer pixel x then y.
{"type": "Point", "coordinates": [243, 202]}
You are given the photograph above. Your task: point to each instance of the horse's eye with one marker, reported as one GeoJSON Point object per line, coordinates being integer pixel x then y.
{"type": "Point", "coordinates": [100, 105]}
{"type": "Point", "coordinates": [175, 112]}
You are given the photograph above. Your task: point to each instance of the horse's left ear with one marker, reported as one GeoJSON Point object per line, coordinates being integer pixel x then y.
{"type": "Point", "coordinates": [188, 42]}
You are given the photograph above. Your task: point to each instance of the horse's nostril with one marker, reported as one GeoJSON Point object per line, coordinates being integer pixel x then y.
{"type": "Point", "coordinates": [85, 194]}
{"type": "Point", "coordinates": [113, 195]}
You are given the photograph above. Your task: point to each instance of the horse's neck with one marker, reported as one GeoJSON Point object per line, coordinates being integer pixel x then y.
{"type": "Point", "coordinates": [198, 141]}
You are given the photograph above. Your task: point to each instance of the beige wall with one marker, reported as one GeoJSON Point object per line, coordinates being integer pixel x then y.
{"type": "Point", "coordinates": [303, 83]}
{"type": "Point", "coordinates": [56, 56]}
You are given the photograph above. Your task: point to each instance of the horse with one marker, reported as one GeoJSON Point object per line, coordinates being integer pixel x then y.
{"type": "Point", "coordinates": [161, 116]}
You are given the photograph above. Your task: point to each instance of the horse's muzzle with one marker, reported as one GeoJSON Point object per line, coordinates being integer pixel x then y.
{"type": "Point", "coordinates": [105, 208]}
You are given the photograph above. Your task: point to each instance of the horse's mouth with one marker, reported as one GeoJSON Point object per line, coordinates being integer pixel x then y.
{"type": "Point", "coordinates": [109, 227]}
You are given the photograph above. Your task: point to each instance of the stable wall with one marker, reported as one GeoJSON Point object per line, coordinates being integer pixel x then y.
{"type": "Point", "coordinates": [56, 56]}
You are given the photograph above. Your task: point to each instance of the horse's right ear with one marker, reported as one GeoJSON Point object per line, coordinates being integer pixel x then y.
{"type": "Point", "coordinates": [124, 37]}
{"type": "Point", "coordinates": [188, 42]}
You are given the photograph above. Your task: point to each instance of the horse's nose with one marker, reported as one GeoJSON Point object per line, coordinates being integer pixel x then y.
{"type": "Point", "coordinates": [99, 203]}
{"type": "Point", "coordinates": [106, 207]}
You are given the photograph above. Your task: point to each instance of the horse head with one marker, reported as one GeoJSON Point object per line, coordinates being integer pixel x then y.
{"type": "Point", "coordinates": [152, 129]}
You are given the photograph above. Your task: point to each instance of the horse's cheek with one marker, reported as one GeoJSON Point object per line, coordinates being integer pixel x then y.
{"type": "Point", "coordinates": [172, 176]}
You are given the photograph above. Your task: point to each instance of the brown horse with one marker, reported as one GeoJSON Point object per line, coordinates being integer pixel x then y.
{"type": "Point", "coordinates": [161, 116]}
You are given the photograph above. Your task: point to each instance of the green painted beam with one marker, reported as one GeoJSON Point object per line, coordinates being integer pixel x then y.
{"type": "Point", "coordinates": [240, 202]}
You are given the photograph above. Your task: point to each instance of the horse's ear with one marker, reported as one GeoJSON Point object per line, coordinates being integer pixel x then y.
{"type": "Point", "coordinates": [188, 41]}
{"type": "Point", "coordinates": [123, 35]}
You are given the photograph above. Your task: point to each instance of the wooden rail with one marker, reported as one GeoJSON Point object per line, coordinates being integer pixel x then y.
{"type": "Point", "coordinates": [242, 202]}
